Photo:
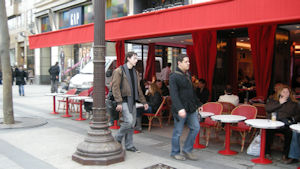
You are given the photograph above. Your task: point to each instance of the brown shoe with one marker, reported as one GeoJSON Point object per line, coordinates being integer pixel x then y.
{"type": "Point", "coordinates": [290, 161]}
{"type": "Point", "coordinates": [190, 156]}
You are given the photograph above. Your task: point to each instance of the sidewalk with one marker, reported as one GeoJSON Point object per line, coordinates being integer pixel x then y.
{"type": "Point", "coordinates": [52, 145]}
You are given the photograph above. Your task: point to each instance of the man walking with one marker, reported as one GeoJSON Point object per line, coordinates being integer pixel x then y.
{"type": "Point", "coordinates": [54, 73]}
{"type": "Point", "coordinates": [126, 91]}
{"type": "Point", "coordinates": [184, 108]}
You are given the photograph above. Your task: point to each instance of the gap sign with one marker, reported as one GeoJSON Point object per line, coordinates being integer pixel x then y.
{"type": "Point", "coordinates": [75, 16]}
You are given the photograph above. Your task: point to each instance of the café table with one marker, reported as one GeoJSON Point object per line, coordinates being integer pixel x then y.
{"type": "Point", "coordinates": [263, 124]}
{"type": "Point", "coordinates": [81, 100]}
{"type": "Point", "coordinates": [67, 96]}
{"type": "Point", "coordinates": [54, 102]}
{"type": "Point", "coordinates": [296, 128]}
{"type": "Point", "coordinates": [197, 145]}
{"type": "Point", "coordinates": [228, 119]}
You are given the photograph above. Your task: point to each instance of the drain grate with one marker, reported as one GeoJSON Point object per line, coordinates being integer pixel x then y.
{"type": "Point", "coordinates": [160, 166]}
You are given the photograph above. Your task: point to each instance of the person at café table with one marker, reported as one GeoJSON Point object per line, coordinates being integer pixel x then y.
{"type": "Point", "coordinates": [229, 97]}
{"type": "Point", "coordinates": [154, 98]}
{"type": "Point", "coordinates": [287, 110]}
{"type": "Point", "coordinates": [202, 92]}
{"type": "Point", "coordinates": [184, 108]}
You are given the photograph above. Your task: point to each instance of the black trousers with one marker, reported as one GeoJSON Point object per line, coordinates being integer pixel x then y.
{"type": "Point", "coordinates": [287, 132]}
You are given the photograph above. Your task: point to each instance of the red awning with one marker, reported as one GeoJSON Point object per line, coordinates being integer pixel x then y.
{"type": "Point", "coordinates": [68, 36]}
{"type": "Point", "coordinates": [215, 14]}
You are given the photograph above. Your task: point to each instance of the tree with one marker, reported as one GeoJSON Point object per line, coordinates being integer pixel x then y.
{"type": "Point", "coordinates": [8, 112]}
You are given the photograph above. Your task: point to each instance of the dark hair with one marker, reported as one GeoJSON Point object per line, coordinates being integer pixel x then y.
{"type": "Point", "coordinates": [228, 89]}
{"type": "Point", "coordinates": [180, 57]}
{"type": "Point", "coordinates": [169, 64]}
{"type": "Point", "coordinates": [128, 55]}
{"type": "Point", "coordinates": [56, 63]}
{"type": "Point", "coordinates": [202, 81]}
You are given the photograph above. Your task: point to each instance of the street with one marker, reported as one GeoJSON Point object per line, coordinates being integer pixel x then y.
{"type": "Point", "coordinates": [51, 146]}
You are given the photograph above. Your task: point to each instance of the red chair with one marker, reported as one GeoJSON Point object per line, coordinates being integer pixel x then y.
{"type": "Point", "coordinates": [250, 113]}
{"type": "Point", "coordinates": [227, 107]}
{"type": "Point", "coordinates": [157, 115]}
{"type": "Point", "coordinates": [73, 103]}
{"type": "Point", "coordinates": [261, 111]}
{"type": "Point", "coordinates": [215, 108]}
{"type": "Point", "coordinates": [71, 91]}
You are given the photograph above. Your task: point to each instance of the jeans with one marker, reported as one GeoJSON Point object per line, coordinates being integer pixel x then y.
{"type": "Point", "coordinates": [127, 126]}
{"type": "Point", "coordinates": [21, 90]}
{"type": "Point", "coordinates": [192, 121]}
{"type": "Point", "coordinates": [54, 86]}
{"type": "Point", "coordinates": [295, 146]}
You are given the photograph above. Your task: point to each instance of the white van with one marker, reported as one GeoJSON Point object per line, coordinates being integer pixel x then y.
{"type": "Point", "coordinates": [84, 80]}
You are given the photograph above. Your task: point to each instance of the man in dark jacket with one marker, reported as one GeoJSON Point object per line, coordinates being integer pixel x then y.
{"type": "Point", "coordinates": [184, 108]}
{"type": "Point", "coordinates": [54, 73]}
{"type": "Point", "coordinates": [20, 75]}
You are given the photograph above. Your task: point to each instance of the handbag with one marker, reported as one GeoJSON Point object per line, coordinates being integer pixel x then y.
{"type": "Point", "coordinates": [254, 147]}
{"type": "Point", "coordinates": [288, 121]}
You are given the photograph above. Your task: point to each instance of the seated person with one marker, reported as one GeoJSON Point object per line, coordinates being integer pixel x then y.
{"type": "Point", "coordinates": [162, 86]}
{"type": "Point", "coordinates": [154, 98]}
{"type": "Point", "coordinates": [286, 107]}
{"type": "Point", "coordinates": [229, 97]}
{"type": "Point", "coordinates": [202, 92]}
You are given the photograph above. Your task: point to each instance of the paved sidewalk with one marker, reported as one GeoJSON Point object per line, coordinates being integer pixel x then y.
{"type": "Point", "coordinates": [52, 145]}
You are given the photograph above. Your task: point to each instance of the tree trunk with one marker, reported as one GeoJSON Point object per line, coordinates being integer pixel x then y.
{"type": "Point", "coordinates": [6, 69]}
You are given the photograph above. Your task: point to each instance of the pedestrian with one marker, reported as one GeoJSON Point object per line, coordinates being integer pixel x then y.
{"type": "Point", "coordinates": [54, 73]}
{"type": "Point", "coordinates": [127, 91]}
{"type": "Point", "coordinates": [185, 107]}
{"type": "Point", "coordinates": [165, 73]}
{"type": "Point", "coordinates": [20, 75]}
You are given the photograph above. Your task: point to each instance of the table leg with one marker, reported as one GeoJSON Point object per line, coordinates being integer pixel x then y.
{"type": "Point", "coordinates": [227, 150]}
{"type": "Point", "coordinates": [262, 159]}
{"type": "Point", "coordinates": [54, 106]}
{"type": "Point", "coordinates": [80, 111]}
{"type": "Point", "coordinates": [67, 109]}
{"type": "Point", "coordinates": [115, 126]}
{"type": "Point", "coordinates": [197, 144]}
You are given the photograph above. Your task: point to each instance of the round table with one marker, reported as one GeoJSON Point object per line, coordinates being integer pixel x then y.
{"type": "Point", "coordinates": [54, 107]}
{"type": "Point", "coordinates": [80, 99]}
{"type": "Point", "coordinates": [263, 124]}
{"type": "Point", "coordinates": [227, 119]}
{"type": "Point", "coordinates": [67, 103]}
{"type": "Point", "coordinates": [197, 145]}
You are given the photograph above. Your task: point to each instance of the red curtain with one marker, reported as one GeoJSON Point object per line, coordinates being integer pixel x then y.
{"type": "Point", "coordinates": [120, 51]}
{"type": "Point", "coordinates": [262, 46]}
{"type": "Point", "coordinates": [150, 67]}
{"type": "Point", "coordinates": [191, 54]}
{"type": "Point", "coordinates": [232, 59]}
{"type": "Point", "coordinates": [205, 48]}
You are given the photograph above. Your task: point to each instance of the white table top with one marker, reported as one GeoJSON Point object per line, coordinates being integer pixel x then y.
{"type": "Point", "coordinates": [67, 95]}
{"type": "Point", "coordinates": [264, 123]}
{"type": "Point", "coordinates": [139, 105]}
{"type": "Point", "coordinates": [228, 118]}
{"type": "Point", "coordinates": [206, 114]}
{"type": "Point", "coordinates": [81, 97]}
{"type": "Point", "coordinates": [53, 94]}
{"type": "Point", "coordinates": [295, 127]}
{"type": "Point", "coordinates": [89, 100]}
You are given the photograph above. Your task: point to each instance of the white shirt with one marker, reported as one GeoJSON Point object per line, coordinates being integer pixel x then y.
{"type": "Point", "coordinates": [165, 72]}
{"type": "Point", "coordinates": [229, 98]}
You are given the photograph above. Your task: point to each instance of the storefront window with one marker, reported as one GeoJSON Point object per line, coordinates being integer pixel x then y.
{"type": "Point", "coordinates": [46, 24]}
{"type": "Point", "coordinates": [64, 18]}
{"type": "Point", "coordinates": [116, 8]}
{"type": "Point", "coordinates": [88, 14]}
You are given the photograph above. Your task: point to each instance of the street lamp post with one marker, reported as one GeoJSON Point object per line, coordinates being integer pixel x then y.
{"type": "Point", "coordinates": [99, 147]}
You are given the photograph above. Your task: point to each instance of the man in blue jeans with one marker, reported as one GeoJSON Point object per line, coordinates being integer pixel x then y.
{"type": "Point", "coordinates": [184, 108]}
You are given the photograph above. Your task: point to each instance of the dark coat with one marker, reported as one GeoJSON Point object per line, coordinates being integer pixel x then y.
{"type": "Point", "coordinates": [182, 93]}
{"type": "Point", "coordinates": [202, 95]}
{"type": "Point", "coordinates": [20, 77]}
{"type": "Point", "coordinates": [155, 101]}
{"type": "Point", "coordinates": [286, 110]}
{"type": "Point", "coordinates": [54, 72]}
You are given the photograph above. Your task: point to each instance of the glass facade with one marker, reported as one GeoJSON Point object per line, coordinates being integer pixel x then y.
{"type": "Point", "coordinates": [46, 24]}
{"type": "Point", "coordinates": [88, 14]}
{"type": "Point", "coordinates": [116, 8]}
